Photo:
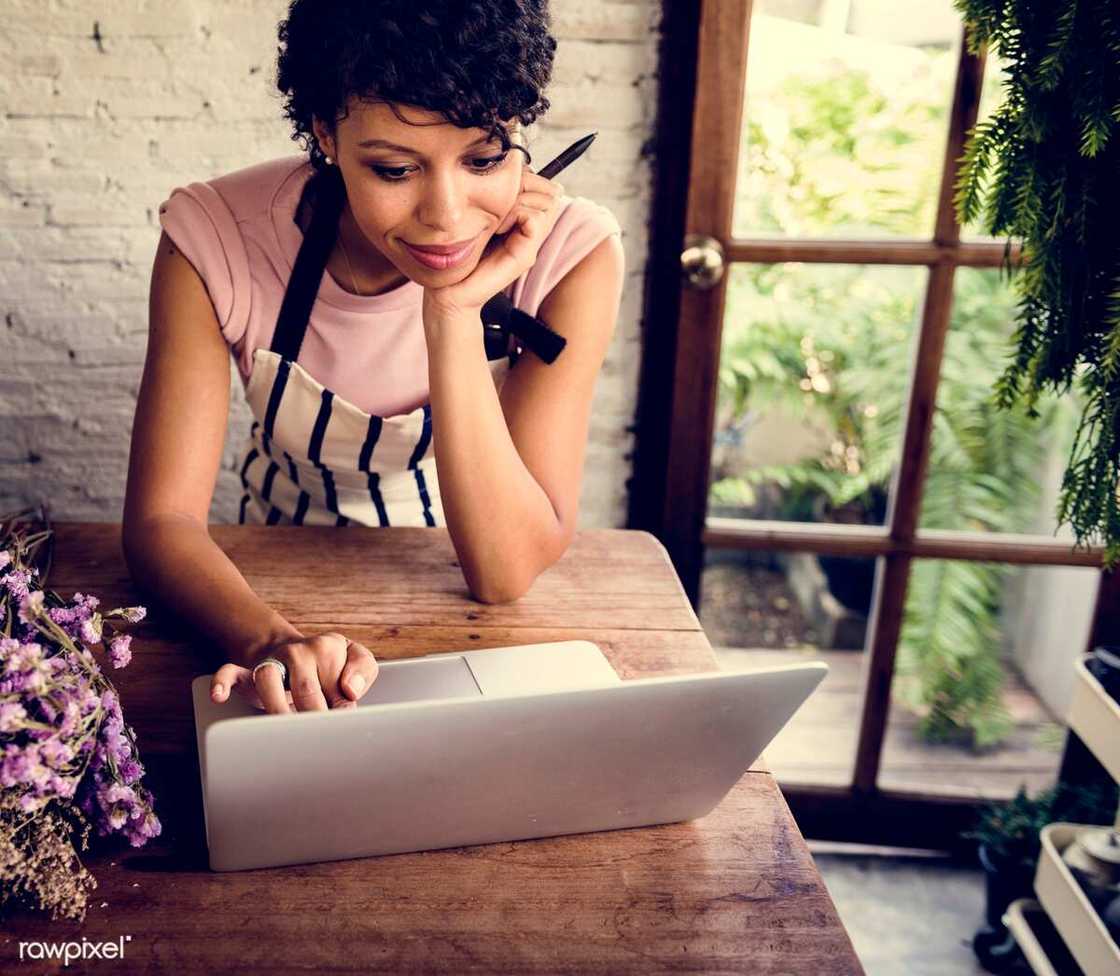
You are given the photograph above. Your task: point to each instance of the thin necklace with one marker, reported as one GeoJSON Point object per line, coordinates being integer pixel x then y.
{"type": "Point", "coordinates": [349, 265]}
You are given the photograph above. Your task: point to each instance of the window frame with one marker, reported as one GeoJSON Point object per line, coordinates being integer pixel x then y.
{"type": "Point", "coordinates": [678, 471]}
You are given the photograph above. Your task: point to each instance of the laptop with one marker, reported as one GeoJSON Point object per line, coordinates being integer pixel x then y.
{"type": "Point", "coordinates": [478, 747]}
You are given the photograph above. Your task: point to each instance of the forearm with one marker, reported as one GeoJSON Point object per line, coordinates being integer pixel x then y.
{"type": "Point", "coordinates": [174, 560]}
{"type": "Point", "coordinates": [499, 517]}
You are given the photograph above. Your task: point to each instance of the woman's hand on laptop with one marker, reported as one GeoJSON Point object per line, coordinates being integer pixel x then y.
{"type": "Point", "coordinates": [326, 671]}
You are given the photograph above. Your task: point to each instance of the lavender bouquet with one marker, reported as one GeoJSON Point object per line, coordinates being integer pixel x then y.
{"type": "Point", "coordinates": [68, 762]}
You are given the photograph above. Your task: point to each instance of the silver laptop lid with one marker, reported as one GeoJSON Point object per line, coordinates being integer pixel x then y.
{"type": "Point", "coordinates": [477, 767]}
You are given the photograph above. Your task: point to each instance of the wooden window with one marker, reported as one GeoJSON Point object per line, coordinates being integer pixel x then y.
{"type": "Point", "coordinates": [926, 255]}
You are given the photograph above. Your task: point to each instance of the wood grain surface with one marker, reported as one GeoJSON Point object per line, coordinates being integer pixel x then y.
{"type": "Point", "coordinates": [735, 891]}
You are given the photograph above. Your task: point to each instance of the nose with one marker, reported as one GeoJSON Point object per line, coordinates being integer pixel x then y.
{"type": "Point", "coordinates": [442, 204]}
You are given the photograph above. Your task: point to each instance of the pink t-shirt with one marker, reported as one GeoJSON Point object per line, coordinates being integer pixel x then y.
{"type": "Point", "coordinates": [238, 232]}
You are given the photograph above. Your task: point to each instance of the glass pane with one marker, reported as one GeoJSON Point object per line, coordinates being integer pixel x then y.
{"type": "Point", "coordinates": [846, 117]}
{"type": "Point", "coordinates": [814, 371]}
{"type": "Point", "coordinates": [764, 609]}
{"type": "Point", "coordinates": [992, 470]}
{"type": "Point", "coordinates": [984, 676]}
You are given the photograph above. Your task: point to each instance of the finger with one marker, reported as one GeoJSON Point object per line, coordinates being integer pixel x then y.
{"type": "Point", "coordinates": [330, 659]}
{"type": "Point", "coordinates": [307, 693]}
{"type": "Point", "coordinates": [507, 221]}
{"type": "Point", "coordinates": [222, 681]}
{"type": "Point", "coordinates": [247, 690]}
{"type": "Point", "coordinates": [533, 203]}
{"type": "Point", "coordinates": [360, 671]}
{"type": "Point", "coordinates": [270, 687]}
{"type": "Point", "coordinates": [233, 677]}
{"type": "Point", "coordinates": [330, 681]}
{"type": "Point", "coordinates": [540, 184]}
{"type": "Point", "coordinates": [533, 224]}
{"type": "Point", "coordinates": [538, 199]}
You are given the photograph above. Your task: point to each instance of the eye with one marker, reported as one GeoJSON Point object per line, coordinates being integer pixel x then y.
{"type": "Point", "coordinates": [398, 174]}
{"type": "Point", "coordinates": [492, 162]}
{"type": "Point", "coordinates": [392, 174]}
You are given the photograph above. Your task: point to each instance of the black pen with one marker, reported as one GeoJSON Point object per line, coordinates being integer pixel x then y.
{"type": "Point", "coordinates": [567, 157]}
{"type": "Point", "coordinates": [562, 162]}
{"type": "Point", "coordinates": [499, 313]}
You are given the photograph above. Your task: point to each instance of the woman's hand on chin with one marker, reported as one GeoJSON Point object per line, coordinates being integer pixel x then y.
{"type": "Point", "coordinates": [510, 252]}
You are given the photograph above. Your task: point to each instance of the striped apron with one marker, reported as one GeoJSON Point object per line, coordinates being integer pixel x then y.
{"type": "Point", "coordinates": [315, 458]}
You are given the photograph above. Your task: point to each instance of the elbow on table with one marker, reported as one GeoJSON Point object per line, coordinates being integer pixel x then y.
{"type": "Point", "coordinates": [510, 583]}
{"type": "Point", "coordinates": [503, 587]}
{"type": "Point", "coordinates": [498, 591]}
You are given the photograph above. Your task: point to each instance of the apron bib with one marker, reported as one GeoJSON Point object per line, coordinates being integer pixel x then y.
{"type": "Point", "coordinates": [313, 457]}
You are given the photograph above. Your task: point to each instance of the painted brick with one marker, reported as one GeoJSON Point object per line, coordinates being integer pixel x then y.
{"type": "Point", "coordinates": [597, 20]}
{"type": "Point", "coordinates": [606, 63]}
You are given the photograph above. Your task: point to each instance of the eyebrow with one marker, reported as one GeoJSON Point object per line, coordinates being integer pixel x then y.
{"type": "Point", "coordinates": [384, 144]}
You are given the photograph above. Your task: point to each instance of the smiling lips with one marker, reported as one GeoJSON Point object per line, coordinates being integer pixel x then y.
{"type": "Point", "coordinates": [441, 248]}
{"type": "Point", "coordinates": [442, 256]}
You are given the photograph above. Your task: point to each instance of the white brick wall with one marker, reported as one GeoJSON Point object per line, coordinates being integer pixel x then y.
{"type": "Point", "coordinates": [106, 107]}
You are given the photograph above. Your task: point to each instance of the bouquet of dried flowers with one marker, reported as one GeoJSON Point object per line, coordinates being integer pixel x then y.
{"type": "Point", "coordinates": [67, 760]}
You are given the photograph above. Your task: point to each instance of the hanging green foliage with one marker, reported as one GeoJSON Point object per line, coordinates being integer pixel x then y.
{"type": "Point", "coordinates": [1044, 171]}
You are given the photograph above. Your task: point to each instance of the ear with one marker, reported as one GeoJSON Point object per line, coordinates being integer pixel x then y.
{"type": "Point", "coordinates": [324, 137]}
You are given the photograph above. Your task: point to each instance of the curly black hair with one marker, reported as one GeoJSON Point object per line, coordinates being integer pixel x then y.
{"type": "Point", "coordinates": [478, 62]}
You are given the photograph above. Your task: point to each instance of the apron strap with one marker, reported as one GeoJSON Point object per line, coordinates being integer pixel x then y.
{"type": "Point", "coordinates": [328, 194]}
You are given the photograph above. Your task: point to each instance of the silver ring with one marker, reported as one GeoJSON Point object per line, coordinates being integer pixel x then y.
{"type": "Point", "coordinates": [272, 660]}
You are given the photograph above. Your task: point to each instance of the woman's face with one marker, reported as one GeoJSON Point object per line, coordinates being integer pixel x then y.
{"type": "Point", "coordinates": [444, 186]}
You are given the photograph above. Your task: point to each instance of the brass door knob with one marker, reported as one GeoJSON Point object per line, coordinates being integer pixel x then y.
{"type": "Point", "coordinates": [702, 260]}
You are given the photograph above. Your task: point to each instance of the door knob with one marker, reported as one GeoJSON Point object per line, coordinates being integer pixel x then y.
{"type": "Point", "coordinates": [702, 260]}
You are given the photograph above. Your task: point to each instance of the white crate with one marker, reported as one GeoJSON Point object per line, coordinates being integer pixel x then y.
{"type": "Point", "coordinates": [1015, 918]}
{"type": "Point", "coordinates": [1078, 923]}
{"type": "Point", "coordinates": [1095, 716]}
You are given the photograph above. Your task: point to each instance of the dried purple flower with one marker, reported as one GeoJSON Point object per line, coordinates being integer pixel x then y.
{"type": "Point", "coordinates": [68, 762]}
{"type": "Point", "coordinates": [132, 614]}
{"type": "Point", "coordinates": [119, 653]}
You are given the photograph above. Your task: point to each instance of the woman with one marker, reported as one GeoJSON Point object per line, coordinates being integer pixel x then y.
{"type": "Point", "coordinates": [362, 354]}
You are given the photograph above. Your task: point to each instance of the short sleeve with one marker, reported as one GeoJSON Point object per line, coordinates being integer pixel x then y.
{"type": "Point", "coordinates": [580, 228]}
{"type": "Point", "coordinates": [203, 227]}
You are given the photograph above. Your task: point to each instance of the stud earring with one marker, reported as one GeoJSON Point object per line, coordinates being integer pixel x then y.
{"type": "Point", "coordinates": [328, 159]}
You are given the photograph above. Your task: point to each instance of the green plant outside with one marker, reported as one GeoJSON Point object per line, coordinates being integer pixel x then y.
{"type": "Point", "coordinates": [833, 345]}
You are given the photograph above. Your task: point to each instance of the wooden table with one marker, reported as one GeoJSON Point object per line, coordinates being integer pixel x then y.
{"type": "Point", "coordinates": [733, 892]}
